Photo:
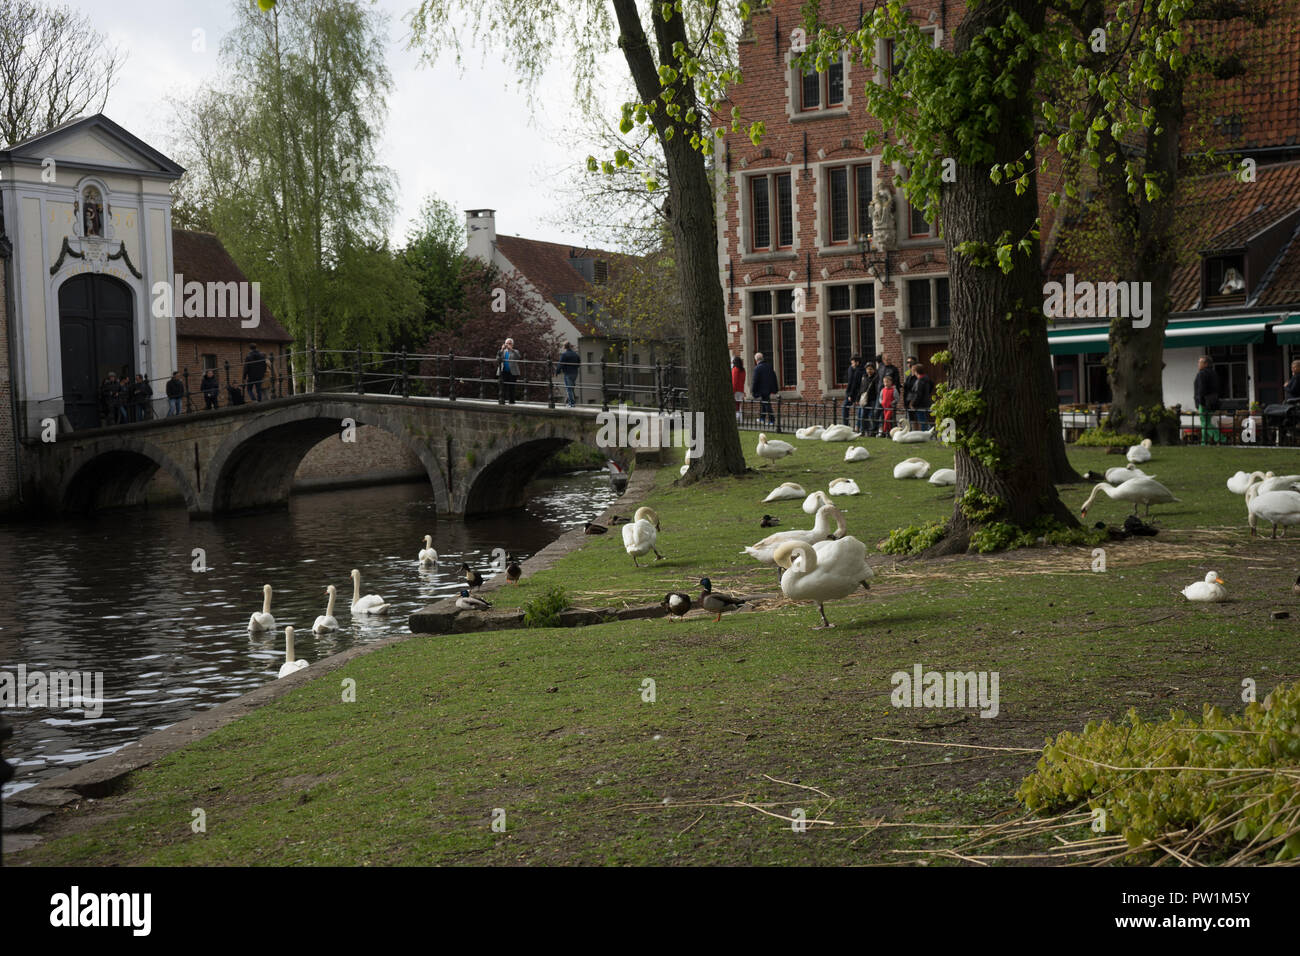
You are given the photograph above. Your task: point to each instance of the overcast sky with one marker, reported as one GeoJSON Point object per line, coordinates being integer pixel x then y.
{"type": "Point", "coordinates": [470, 138]}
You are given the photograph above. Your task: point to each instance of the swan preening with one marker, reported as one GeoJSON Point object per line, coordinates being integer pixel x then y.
{"type": "Point", "coordinates": [1211, 589]}
{"type": "Point", "coordinates": [814, 502]}
{"type": "Point", "coordinates": [326, 621]}
{"type": "Point", "coordinates": [944, 476]}
{"type": "Point", "coordinates": [428, 557]}
{"type": "Point", "coordinates": [773, 450]}
{"type": "Point", "coordinates": [785, 490]}
{"type": "Point", "coordinates": [1239, 482]}
{"type": "Point", "coordinates": [828, 519]}
{"type": "Point", "coordinates": [812, 431]}
{"type": "Point", "coordinates": [823, 571]}
{"type": "Point", "coordinates": [640, 536]}
{"type": "Point", "coordinates": [1141, 491]}
{"type": "Point", "coordinates": [838, 433]}
{"type": "Point", "coordinates": [1117, 476]}
{"type": "Point", "coordinates": [291, 664]}
{"type": "Point", "coordinates": [1140, 453]}
{"type": "Point", "coordinates": [262, 620]}
{"type": "Point", "coordinates": [843, 486]}
{"type": "Point", "coordinates": [370, 603]}
{"type": "Point", "coordinates": [912, 468]}
{"type": "Point", "coordinates": [856, 453]}
{"type": "Point", "coordinates": [902, 432]}
{"type": "Point", "coordinates": [1277, 507]}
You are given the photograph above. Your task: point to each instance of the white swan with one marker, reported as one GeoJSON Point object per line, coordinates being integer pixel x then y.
{"type": "Point", "coordinates": [641, 534]}
{"type": "Point", "coordinates": [844, 486]}
{"type": "Point", "coordinates": [262, 620]}
{"type": "Point", "coordinates": [912, 468]}
{"type": "Point", "coordinates": [1278, 507]}
{"type": "Point", "coordinates": [1117, 476]}
{"type": "Point", "coordinates": [828, 519]}
{"type": "Point", "coordinates": [824, 571]}
{"type": "Point", "coordinates": [371, 603]}
{"type": "Point", "coordinates": [327, 622]}
{"type": "Point", "coordinates": [1273, 482]}
{"type": "Point", "coordinates": [856, 453]}
{"type": "Point", "coordinates": [812, 431]}
{"type": "Point", "coordinates": [1211, 589]}
{"type": "Point", "coordinates": [1141, 491]}
{"type": "Point", "coordinates": [785, 490]}
{"type": "Point", "coordinates": [428, 557]}
{"type": "Point", "coordinates": [1239, 482]}
{"type": "Point", "coordinates": [687, 458]}
{"type": "Point", "coordinates": [902, 432]}
{"type": "Point", "coordinates": [838, 433]}
{"type": "Point", "coordinates": [291, 665]}
{"type": "Point", "coordinates": [1141, 453]}
{"type": "Point", "coordinates": [813, 503]}
{"type": "Point", "coordinates": [944, 476]}
{"type": "Point", "coordinates": [773, 450]}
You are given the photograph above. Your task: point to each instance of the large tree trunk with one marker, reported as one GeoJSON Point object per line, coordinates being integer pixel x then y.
{"type": "Point", "coordinates": [998, 327]}
{"type": "Point", "coordinates": [691, 217]}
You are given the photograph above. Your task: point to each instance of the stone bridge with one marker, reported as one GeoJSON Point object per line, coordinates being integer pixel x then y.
{"type": "Point", "coordinates": [479, 455]}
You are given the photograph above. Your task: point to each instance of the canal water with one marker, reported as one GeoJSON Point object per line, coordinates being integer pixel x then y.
{"type": "Point", "coordinates": [118, 594]}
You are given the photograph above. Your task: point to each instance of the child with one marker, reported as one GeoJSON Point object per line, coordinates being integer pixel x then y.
{"type": "Point", "coordinates": [887, 393]}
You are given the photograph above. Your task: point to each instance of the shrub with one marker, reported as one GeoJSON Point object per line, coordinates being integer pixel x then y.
{"type": "Point", "coordinates": [544, 610]}
{"type": "Point", "coordinates": [913, 539]}
{"type": "Point", "coordinates": [1103, 437]}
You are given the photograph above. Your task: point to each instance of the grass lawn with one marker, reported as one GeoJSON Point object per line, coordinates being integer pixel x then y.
{"type": "Point", "coordinates": [550, 726]}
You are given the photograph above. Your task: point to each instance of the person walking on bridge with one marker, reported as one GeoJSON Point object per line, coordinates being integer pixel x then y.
{"type": "Point", "coordinates": [254, 372]}
{"type": "Point", "coordinates": [508, 368]}
{"type": "Point", "coordinates": [569, 363]}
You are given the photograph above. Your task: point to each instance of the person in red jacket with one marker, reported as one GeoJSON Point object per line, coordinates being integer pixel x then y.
{"type": "Point", "coordinates": [887, 396]}
{"type": "Point", "coordinates": [738, 381]}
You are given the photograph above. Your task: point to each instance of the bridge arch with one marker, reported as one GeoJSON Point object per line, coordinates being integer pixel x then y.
{"type": "Point", "coordinates": [114, 473]}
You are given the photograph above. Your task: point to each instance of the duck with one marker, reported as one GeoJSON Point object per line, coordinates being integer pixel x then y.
{"type": "Point", "coordinates": [716, 602]}
{"type": "Point", "coordinates": [828, 517]}
{"type": "Point", "coordinates": [838, 433]}
{"type": "Point", "coordinates": [815, 501]}
{"type": "Point", "coordinates": [640, 536]}
{"type": "Point", "coordinates": [769, 522]}
{"type": "Point", "coordinates": [1242, 480]}
{"type": "Point", "coordinates": [466, 603]}
{"type": "Point", "coordinates": [676, 603]}
{"type": "Point", "coordinates": [1117, 476]}
{"type": "Point", "coordinates": [370, 603]}
{"type": "Point", "coordinates": [912, 468]}
{"type": "Point", "coordinates": [472, 577]}
{"type": "Point", "coordinates": [944, 477]}
{"type": "Point", "coordinates": [1278, 507]}
{"type": "Point", "coordinates": [904, 433]}
{"type": "Point", "coordinates": [844, 486]}
{"type": "Point", "coordinates": [856, 453]}
{"type": "Point", "coordinates": [291, 665]}
{"type": "Point", "coordinates": [773, 450]}
{"type": "Point", "coordinates": [1211, 589]}
{"type": "Point", "coordinates": [428, 557]}
{"type": "Point", "coordinates": [1140, 453]}
{"type": "Point", "coordinates": [618, 519]}
{"type": "Point", "coordinates": [513, 572]}
{"type": "Point", "coordinates": [262, 620]}
{"type": "Point", "coordinates": [812, 431]}
{"type": "Point", "coordinates": [327, 621]}
{"type": "Point", "coordinates": [783, 491]}
{"type": "Point", "coordinates": [1141, 491]}
{"type": "Point", "coordinates": [590, 528]}
{"type": "Point", "coordinates": [824, 571]}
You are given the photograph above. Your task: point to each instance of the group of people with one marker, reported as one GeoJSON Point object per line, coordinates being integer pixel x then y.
{"type": "Point", "coordinates": [510, 367]}
{"type": "Point", "coordinates": [123, 400]}
{"type": "Point", "coordinates": [129, 399]}
{"type": "Point", "coordinates": [873, 389]}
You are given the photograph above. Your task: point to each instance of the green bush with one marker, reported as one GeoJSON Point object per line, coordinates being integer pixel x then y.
{"type": "Point", "coordinates": [1104, 438]}
{"type": "Point", "coordinates": [913, 539]}
{"type": "Point", "coordinates": [544, 610]}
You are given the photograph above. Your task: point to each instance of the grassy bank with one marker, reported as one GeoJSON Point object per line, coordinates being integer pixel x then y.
{"type": "Point", "coordinates": [550, 726]}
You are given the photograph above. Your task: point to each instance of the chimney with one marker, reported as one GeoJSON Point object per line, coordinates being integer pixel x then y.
{"type": "Point", "coordinates": [481, 233]}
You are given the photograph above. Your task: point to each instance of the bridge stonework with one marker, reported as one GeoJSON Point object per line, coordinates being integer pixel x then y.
{"type": "Point", "coordinates": [479, 456]}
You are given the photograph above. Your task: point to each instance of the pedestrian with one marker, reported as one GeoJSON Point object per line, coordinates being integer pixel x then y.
{"type": "Point", "coordinates": [738, 382]}
{"type": "Point", "coordinates": [140, 395]}
{"type": "Point", "coordinates": [124, 381]}
{"type": "Point", "coordinates": [763, 387]}
{"type": "Point", "coordinates": [254, 372]}
{"type": "Point", "coordinates": [1292, 390]}
{"type": "Point", "coordinates": [570, 362]}
{"type": "Point", "coordinates": [175, 392]}
{"type": "Point", "coordinates": [922, 396]}
{"type": "Point", "coordinates": [867, 424]}
{"type": "Point", "coordinates": [508, 368]}
{"type": "Point", "coordinates": [110, 398]}
{"type": "Point", "coordinates": [1205, 393]}
{"type": "Point", "coordinates": [909, 387]}
{"type": "Point", "coordinates": [890, 371]}
{"type": "Point", "coordinates": [211, 389]}
{"type": "Point", "coordinates": [888, 395]}
{"type": "Point", "coordinates": [853, 387]}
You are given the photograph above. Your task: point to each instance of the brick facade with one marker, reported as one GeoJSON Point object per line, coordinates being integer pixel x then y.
{"type": "Point", "coordinates": [191, 350]}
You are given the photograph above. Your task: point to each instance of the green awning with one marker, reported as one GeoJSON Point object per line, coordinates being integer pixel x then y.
{"type": "Point", "coordinates": [1078, 339]}
{"type": "Point", "coordinates": [1180, 334]}
{"type": "Point", "coordinates": [1288, 330]}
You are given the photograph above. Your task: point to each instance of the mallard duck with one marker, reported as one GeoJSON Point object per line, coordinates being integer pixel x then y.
{"type": "Point", "coordinates": [370, 603]}
{"type": "Point", "coordinates": [641, 535]}
{"type": "Point", "coordinates": [472, 577]}
{"type": "Point", "coordinates": [783, 491]}
{"type": "Point", "coordinates": [944, 477]}
{"type": "Point", "coordinates": [1278, 507]}
{"type": "Point", "coordinates": [590, 528]}
{"type": "Point", "coordinates": [829, 518]}
{"type": "Point", "coordinates": [824, 571]}
{"type": "Point", "coordinates": [676, 603]}
{"type": "Point", "coordinates": [428, 557]}
{"type": "Point", "coordinates": [1141, 491]}
{"type": "Point", "coordinates": [291, 665]}
{"type": "Point", "coordinates": [262, 620]}
{"type": "Point", "coordinates": [1141, 453]}
{"type": "Point", "coordinates": [327, 621]}
{"type": "Point", "coordinates": [856, 453]}
{"type": "Point", "coordinates": [844, 486]}
{"type": "Point", "coordinates": [467, 603]}
{"type": "Point", "coordinates": [815, 502]}
{"type": "Point", "coordinates": [716, 602]}
{"type": "Point", "coordinates": [773, 450]}
{"type": "Point", "coordinates": [1211, 589]}
{"type": "Point", "coordinates": [769, 522]}
{"type": "Point", "coordinates": [812, 431]}
{"type": "Point", "coordinates": [838, 433]}
{"type": "Point", "coordinates": [514, 572]}
{"type": "Point", "coordinates": [912, 468]}
{"type": "Point", "coordinates": [618, 519]}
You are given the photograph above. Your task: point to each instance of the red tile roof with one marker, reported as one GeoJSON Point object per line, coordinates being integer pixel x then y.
{"type": "Point", "coordinates": [549, 267]}
{"type": "Point", "coordinates": [200, 257]}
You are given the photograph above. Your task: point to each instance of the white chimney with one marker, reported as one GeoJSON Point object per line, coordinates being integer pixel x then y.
{"type": "Point", "coordinates": [481, 233]}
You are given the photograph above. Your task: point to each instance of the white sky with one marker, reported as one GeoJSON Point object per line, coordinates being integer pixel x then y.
{"type": "Point", "coordinates": [471, 139]}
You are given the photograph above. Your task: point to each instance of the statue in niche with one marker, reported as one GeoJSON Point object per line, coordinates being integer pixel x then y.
{"type": "Point", "coordinates": [882, 218]}
{"type": "Point", "coordinates": [93, 214]}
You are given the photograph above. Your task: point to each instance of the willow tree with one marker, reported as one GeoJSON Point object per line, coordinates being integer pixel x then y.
{"type": "Point", "coordinates": [673, 53]}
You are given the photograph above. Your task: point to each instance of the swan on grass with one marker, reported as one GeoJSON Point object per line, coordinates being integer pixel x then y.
{"type": "Point", "coordinates": [944, 477]}
{"type": "Point", "coordinates": [814, 502]}
{"type": "Point", "coordinates": [1273, 482]}
{"type": "Point", "coordinates": [428, 557]}
{"type": "Point", "coordinates": [844, 486]}
{"type": "Point", "coordinates": [828, 519]}
{"type": "Point", "coordinates": [824, 571]}
{"type": "Point", "coordinates": [902, 432]}
{"type": "Point", "coordinates": [838, 433]}
{"type": "Point", "coordinates": [1239, 482]}
{"type": "Point", "coordinates": [773, 450]}
{"type": "Point", "coordinates": [262, 620]}
{"type": "Point", "coordinates": [370, 603]}
{"type": "Point", "coordinates": [856, 453]}
{"type": "Point", "coordinates": [291, 664]}
{"type": "Point", "coordinates": [812, 431]}
{"type": "Point", "coordinates": [1211, 589]}
{"type": "Point", "coordinates": [912, 468]}
{"type": "Point", "coordinates": [1277, 507]}
{"type": "Point", "coordinates": [1140, 453]}
{"type": "Point", "coordinates": [781, 492]}
{"type": "Point", "coordinates": [641, 535]}
{"type": "Point", "coordinates": [1117, 476]}
{"type": "Point", "coordinates": [1141, 491]}
{"type": "Point", "coordinates": [327, 622]}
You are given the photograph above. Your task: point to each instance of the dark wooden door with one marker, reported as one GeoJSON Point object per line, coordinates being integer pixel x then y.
{"type": "Point", "coordinates": [925, 355]}
{"type": "Point", "coordinates": [96, 334]}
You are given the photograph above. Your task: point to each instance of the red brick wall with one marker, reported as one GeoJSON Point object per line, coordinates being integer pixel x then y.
{"type": "Point", "coordinates": [190, 352]}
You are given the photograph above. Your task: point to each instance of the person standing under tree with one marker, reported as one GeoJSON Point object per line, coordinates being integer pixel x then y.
{"type": "Point", "coordinates": [856, 378]}
{"type": "Point", "coordinates": [922, 396]}
{"type": "Point", "coordinates": [508, 371]}
{"type": "Point", "coordinates": [888, 395]}
{"type": "Point", "coordinates": [569, 364]}
{"type": "Point", "coordinates": [1205, 393]}
{"type": "Point", "coordinates": [764, 386]}
{"type": "Point", "coordinates": [738, 382]}
{"type": "Point", "coordinates": [867, 424]}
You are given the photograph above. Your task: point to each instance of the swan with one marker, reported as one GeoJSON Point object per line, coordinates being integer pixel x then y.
{"type": "Point", "coordinates": [1140, 453]}
{"type": "Point", "coordinates": [262, 620]}
{"type": "Point", "coordinates": [291, 664]}
{"type": "Point", "coordinates": [676, 603]}
{"type": "Point", "coordinates": [1117, 476]}
{"type": "Point", "coordinates": [1211, 589]}
{"type": "Point", "coordinates": [843, 486]}
{"type": "Point", "coordinates": [812, 431]}
{"type": "Point", "coordinates": [717, 601]}
{"type": "Point", "coordinates": [856, 453]}
{"type": "Point", "coordinates": [773, 450]}
{"type": "Point", "coordinates": [944, 476]}
{"type": "Point", "coordinates": [428, 557]}
{"type": "Point", "coordinates": [467, 603]}
{"type": "Point", "coordinates": [902, 432]}
{"type": "Point", "coordinates": [838, 433]}
{"type": "Point", "coordinates": [1242, 480]}
{"type": "Point", "coordinates": [514, 572]}
{"type": "Point", "coordinates": [814, 502]}
{"type": "Point", "coordinates": [371, 603]}
{"type": "Point", "coordinates": [1141, 491]}
{"type": "Point", "coordinates": [640, 535]}
{"type": "Point", "coordinates": [686, 467]}
{"type": "Point", "coordinates": [912, 468]}
{"type": "Point", "coordinates": [1278, 483]}
{"type": "Point", "coordinates": [327, 622]}
{"type": "Point", "coordinates": [821, 530]}
{"type": "Point", "coordinates": [783, 491]}
{"type": "Point", "coordinates": [1279, 507]}
{"type": "Point", "coordinates": [824, 571]}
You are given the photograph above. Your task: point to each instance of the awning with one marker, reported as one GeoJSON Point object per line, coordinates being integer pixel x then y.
{"type": "Point", "coordinates": [1079, 339]}
{"type": "Point", "coordinates": [1180, 334]}
{"type": "Point", "coordinates": [1288, 330]}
